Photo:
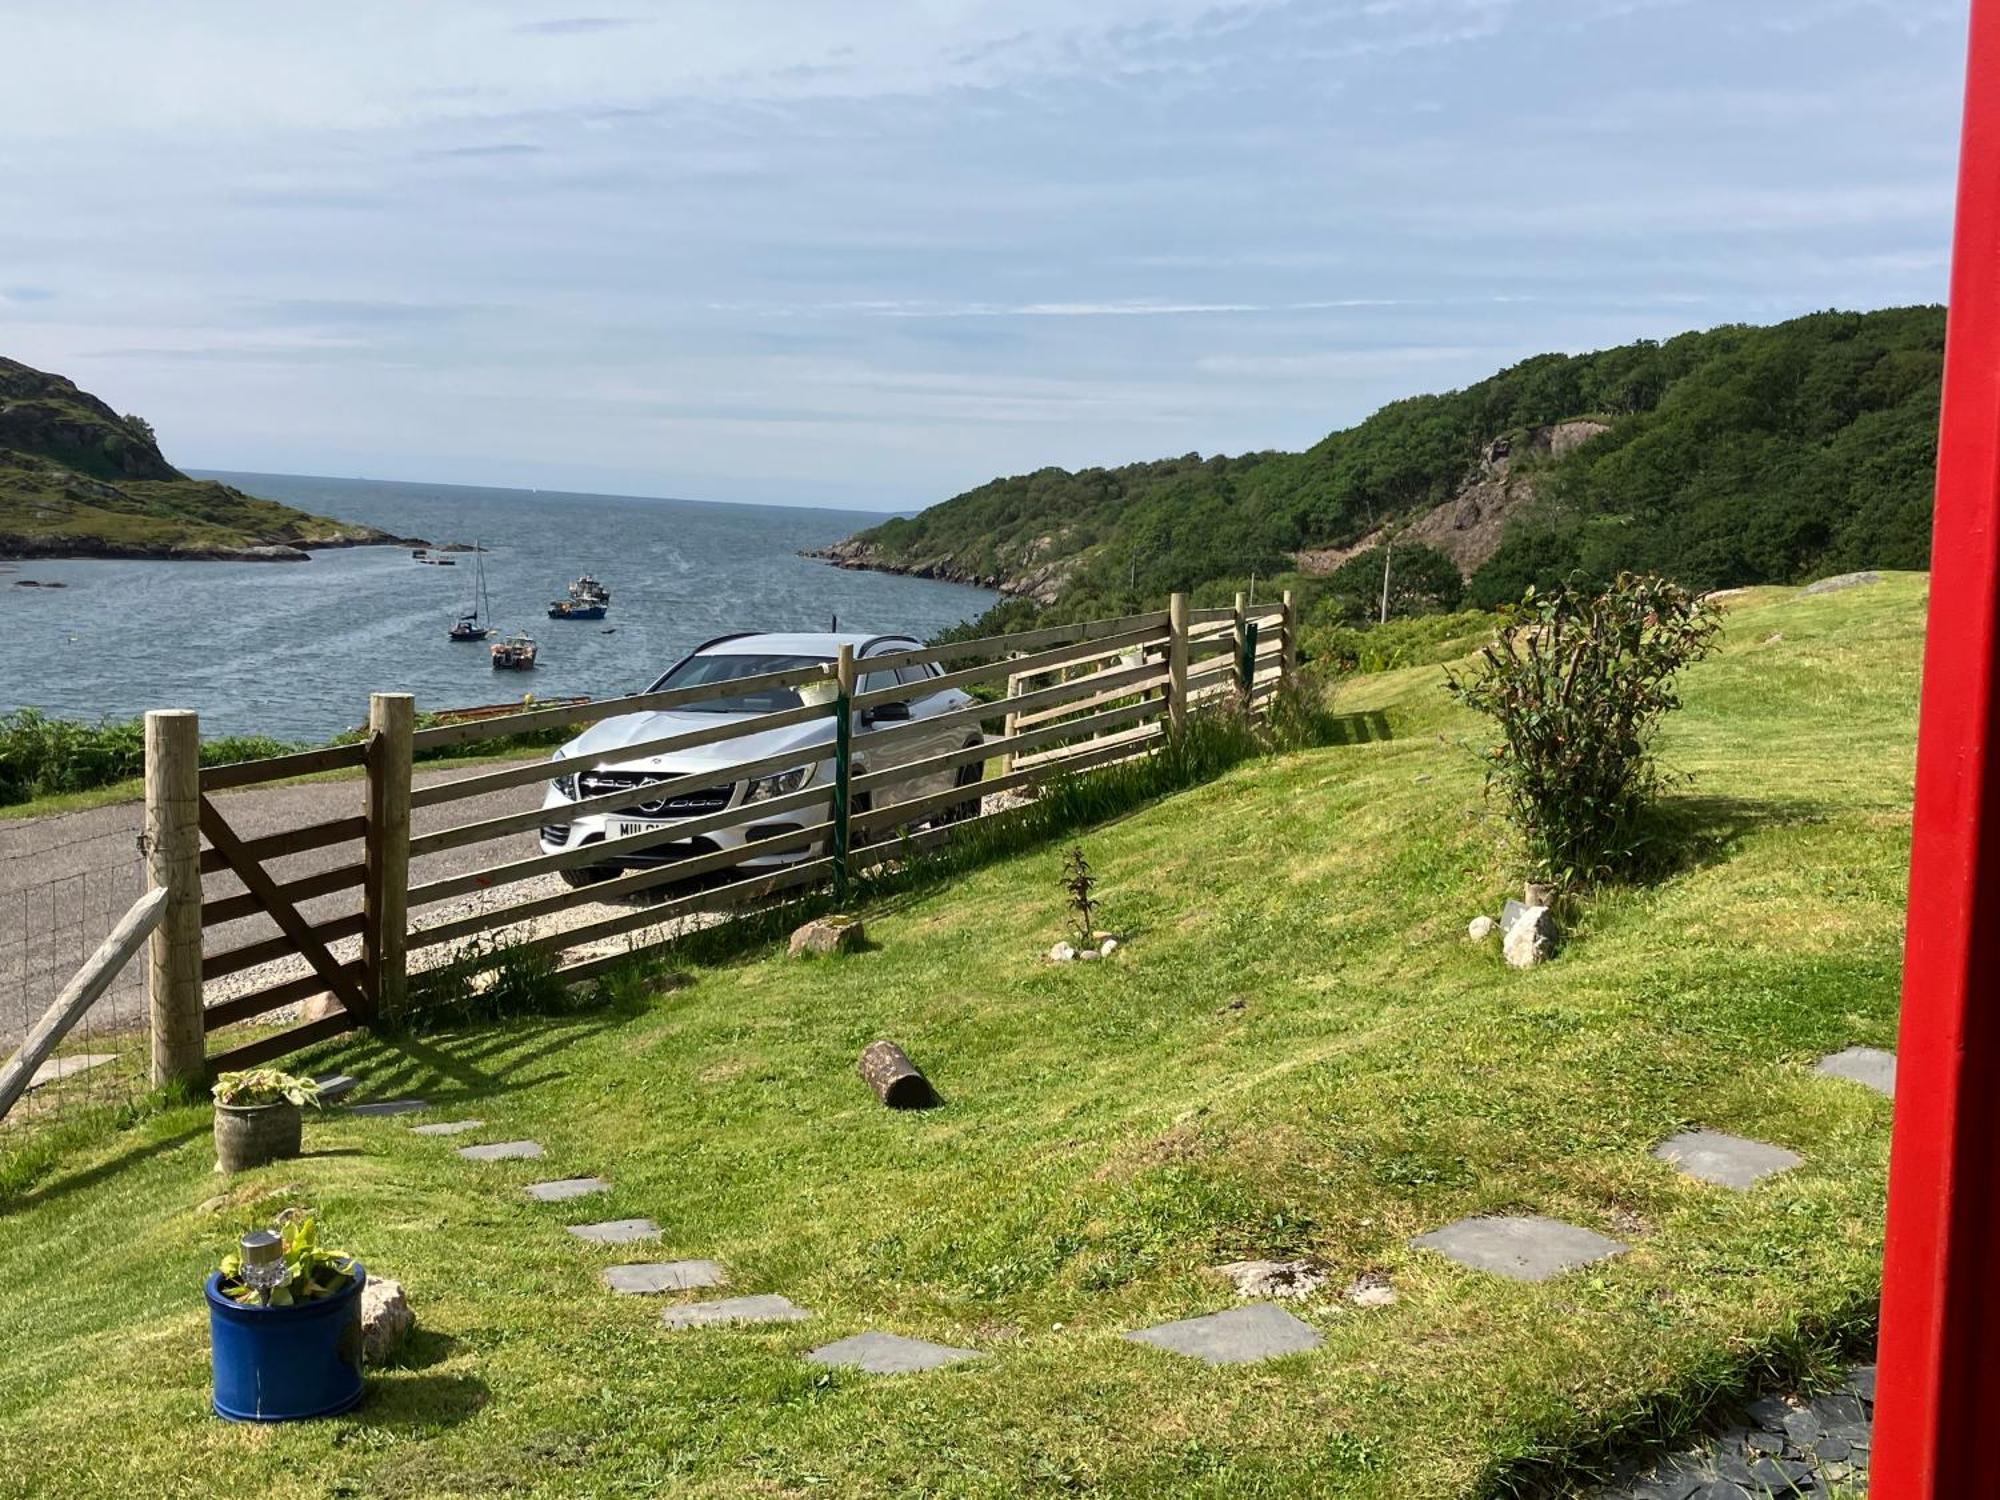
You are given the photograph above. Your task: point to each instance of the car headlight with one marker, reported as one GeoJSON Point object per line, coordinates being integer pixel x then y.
{"type": "Point", "coordinates": [565, 785]}
{"type": "Point", "coordinates": [780, 785]}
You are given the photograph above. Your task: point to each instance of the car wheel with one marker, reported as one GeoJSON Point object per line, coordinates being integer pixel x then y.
{"type": "Point", "coordinates": [576, 880]}
{"type": "Point", "coordinates": [960, 812]}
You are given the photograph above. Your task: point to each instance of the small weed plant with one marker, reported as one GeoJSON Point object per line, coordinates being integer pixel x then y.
{"type": "Point", "coordinates": [1577, 683]}
{"type": "Point", "coordinates": [1080, 883]}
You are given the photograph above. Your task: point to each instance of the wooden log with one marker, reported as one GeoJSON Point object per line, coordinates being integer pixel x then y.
{"type": "Point", "coordinates": [894, 1078]}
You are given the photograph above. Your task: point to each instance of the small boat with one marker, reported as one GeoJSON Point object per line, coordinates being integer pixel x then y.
{"type": "Point", "coordinates": [515, 654]}
{"type": "Point", "coordinates": [420, 553]}
{"type": "Point", "coordinates": [588, 590]}
{"type": "Point", "coordinates": [575, 609]}
{"type": "Point", "coordinates": [474, 623]}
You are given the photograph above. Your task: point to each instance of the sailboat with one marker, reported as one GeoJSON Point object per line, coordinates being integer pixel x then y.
{"type": "Point", "coordinates": [472, 624]}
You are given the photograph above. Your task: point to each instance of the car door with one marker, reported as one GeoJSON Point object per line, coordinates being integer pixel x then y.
{"type": "Point", "coordinates": [930, 706]}
{"type": "Point", "coordinates": [912, 743]}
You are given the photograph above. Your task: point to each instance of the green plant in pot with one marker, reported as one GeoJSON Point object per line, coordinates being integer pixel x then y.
{"type": "Point", "coordinates": [284, 1317]}
{"type": "Point", "coordinates": [258, 1117]}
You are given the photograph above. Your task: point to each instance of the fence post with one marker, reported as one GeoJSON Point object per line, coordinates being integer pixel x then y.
{"type": "Point", "coordinates": [386, 894]}
{"type": "Point", "coordinates": [1242, 638]}
{"type": "Point", "coordinates": [173, 864]}
{"type": "Point", "coordinates": [1177, 663]}
{"type": "Point", "coordinates": [1012, 724]}
{"type": "Point", "coordinates": [1288, 653]}
{"type": "Point", "coordinates": [843, 756]}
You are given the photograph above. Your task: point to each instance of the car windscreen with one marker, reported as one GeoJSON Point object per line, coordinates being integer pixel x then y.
{"type": "Point", "coordinates": [708, 671]}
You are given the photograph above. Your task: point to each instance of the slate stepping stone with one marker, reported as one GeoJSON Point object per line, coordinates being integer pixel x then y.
{"type": "Point", "coordinates": [334, 1086]}
{"type": "Point", "coordinates": [1870, 1066]}
{"type": "Point", "coordinates": [768, 1308]}
{"type": "Point", "coordinates": [664, 1276]}
{"type": "Point", "coordinates": [1730, 1161]}
{"type": "Point", "coordinates": [447, 1127]}
{"type": "Point", "coordinates": [388, 1107]}
{"type": "Point", "coordinates": [889, 1354]}
{"type": "Point", "coordinates": [503, 1151]}
{"type": "Point", "coordinates": [564, 1188]}
{"type": "Point", "coordinates": [1530, 1248]}
{"type": "Point", "coordinates": [617, 1231]}
{"type": "Point", "coordinates": [1239, 1336]}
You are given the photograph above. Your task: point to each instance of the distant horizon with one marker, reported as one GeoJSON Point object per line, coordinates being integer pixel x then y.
{"type": "Point", "coordinates": [229, 475]}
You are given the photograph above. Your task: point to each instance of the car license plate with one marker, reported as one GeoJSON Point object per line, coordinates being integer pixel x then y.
{"type": "Point", "coordinates": [627, 829]}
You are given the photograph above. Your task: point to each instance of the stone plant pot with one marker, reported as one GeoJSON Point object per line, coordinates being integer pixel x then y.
{"type": "Point", "coordinates": [248, 1135]}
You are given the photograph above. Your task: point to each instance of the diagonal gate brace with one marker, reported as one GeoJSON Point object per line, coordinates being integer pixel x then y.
{"type": "Point", "coordinates": [294, 926]}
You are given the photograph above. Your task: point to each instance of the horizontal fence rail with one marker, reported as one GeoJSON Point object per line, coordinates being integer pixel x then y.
{"type": "Point", "coordinates": [591, 874]}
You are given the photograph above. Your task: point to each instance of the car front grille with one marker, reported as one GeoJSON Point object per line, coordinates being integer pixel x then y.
{"type": "Point", "coordinates": [693, 804]}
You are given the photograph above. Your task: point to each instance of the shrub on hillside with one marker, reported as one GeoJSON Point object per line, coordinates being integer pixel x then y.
{"type": "Point", "coordinates": [1426, 641]}
{"type": "Point", "coordinates": [1577, 683]}
{"type": "Point", "coordinates": [41, 755]}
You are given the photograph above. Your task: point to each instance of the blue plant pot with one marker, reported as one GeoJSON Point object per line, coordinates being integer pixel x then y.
{"type": "Point", "coordinates": [286, 1364]}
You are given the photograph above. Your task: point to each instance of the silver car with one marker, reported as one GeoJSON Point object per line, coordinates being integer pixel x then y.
{"type": "Point", "coordinates": [717, 663]}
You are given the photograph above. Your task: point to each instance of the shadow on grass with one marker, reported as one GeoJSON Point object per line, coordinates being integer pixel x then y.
{"type": "Point", "coordinates": [1679, 834]}
{"type": "Point", "coordinates": [405, 1401]}
{"type": "Point", "coordinates": [1362, 728]}
{"type": "Point", "coordinates": [484, 1060]}
{"type": "Point", "coordinates": [91, 1176]}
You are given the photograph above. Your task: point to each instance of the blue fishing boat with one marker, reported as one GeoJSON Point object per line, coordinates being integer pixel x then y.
{"type": "Point", "coordinates": [575, 609]}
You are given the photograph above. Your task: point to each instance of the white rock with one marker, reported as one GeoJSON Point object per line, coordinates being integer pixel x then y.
{"type": "Point", "coordinates": [1371, 1289]}
{"type": "Point", "coordinates": [1062, 953]}
{"type": "Point", "coordinates": [1479, 929]}
{"type": "Point", "coordinates": [1528, 940]}
{"type": "Point", "coordinates": [386, 1319]}
{"type": "Point", "coordinates": [1109, 947]}
{"type": "Point", "coordinates": [1084, 953]}
{"type": "Point", "coordinates": [1273, 1278]}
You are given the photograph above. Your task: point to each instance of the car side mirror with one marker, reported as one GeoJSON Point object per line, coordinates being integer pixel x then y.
{"type": "Point", "coordinates": [887, 713]}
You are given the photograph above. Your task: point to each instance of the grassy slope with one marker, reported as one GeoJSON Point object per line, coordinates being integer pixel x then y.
{"type": "Point", "coordinates": [1298, 1054]}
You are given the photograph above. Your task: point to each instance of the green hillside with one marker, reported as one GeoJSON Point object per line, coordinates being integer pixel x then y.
{"type": "Point", "coordinates": [78, 479]}
{"type": "Point", "coordinates": [1733, 456]}
{"type": "Point", "coordinates": [1297, 1054]}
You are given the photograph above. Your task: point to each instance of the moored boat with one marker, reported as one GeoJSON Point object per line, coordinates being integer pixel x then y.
{"type": "Point", "coordinates": [515, 654]}
{"type": "Point", "coordinates": [575, 609]}
{"type": "Point", "coordinates": [474, 624]}
{"type": "Point", "coordinates": [588, 590]}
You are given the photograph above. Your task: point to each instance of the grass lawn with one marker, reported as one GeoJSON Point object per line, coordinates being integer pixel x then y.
{"type": "Point", "coordinates": [1297, 1054]}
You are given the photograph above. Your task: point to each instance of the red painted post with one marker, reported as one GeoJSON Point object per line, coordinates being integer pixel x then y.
{"type": "Point", "coordinates": [1938, 1390]}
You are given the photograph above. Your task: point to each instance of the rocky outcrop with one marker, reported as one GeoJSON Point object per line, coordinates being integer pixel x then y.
{"type": "Point", "coordinates": [79, 480]}
{"type": "Point", "coordinates": [1467, 528]}
{"type": "Point", "coordinates": [1039, 577]}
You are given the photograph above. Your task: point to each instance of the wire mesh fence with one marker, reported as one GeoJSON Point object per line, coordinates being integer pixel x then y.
{"type": "Point", "coordinates": [57, 905]}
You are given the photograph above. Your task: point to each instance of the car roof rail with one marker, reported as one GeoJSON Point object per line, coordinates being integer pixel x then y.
{"type": "Point", "coordinates": [875, 640]}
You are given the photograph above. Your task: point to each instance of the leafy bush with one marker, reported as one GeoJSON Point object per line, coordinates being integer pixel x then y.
{"type": "Point", "coordinates": [1577, 683]}
{"type": "Point", "coordinates": [41, 756]}
{"type": "Point", "coordinates": [1422, 581]}
{"type": "Point", "coordinates": [1426, 641]}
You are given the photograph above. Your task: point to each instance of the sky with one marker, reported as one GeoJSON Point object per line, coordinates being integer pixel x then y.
{"type": "Point", "coordinates": [874, 253]}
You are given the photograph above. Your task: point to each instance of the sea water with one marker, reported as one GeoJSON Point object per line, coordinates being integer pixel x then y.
{"type": "Point", "coordinates": [294, 649]}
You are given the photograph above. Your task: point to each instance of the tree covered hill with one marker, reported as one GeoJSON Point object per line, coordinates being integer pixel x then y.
{"type": "Point", "coordinates": [79, 480]}
{"type": "Point", "coordinates": [1731, 456]}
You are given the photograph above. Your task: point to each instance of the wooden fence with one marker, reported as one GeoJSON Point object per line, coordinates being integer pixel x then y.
{"type": "Point", "coordinates": [343, 911]}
